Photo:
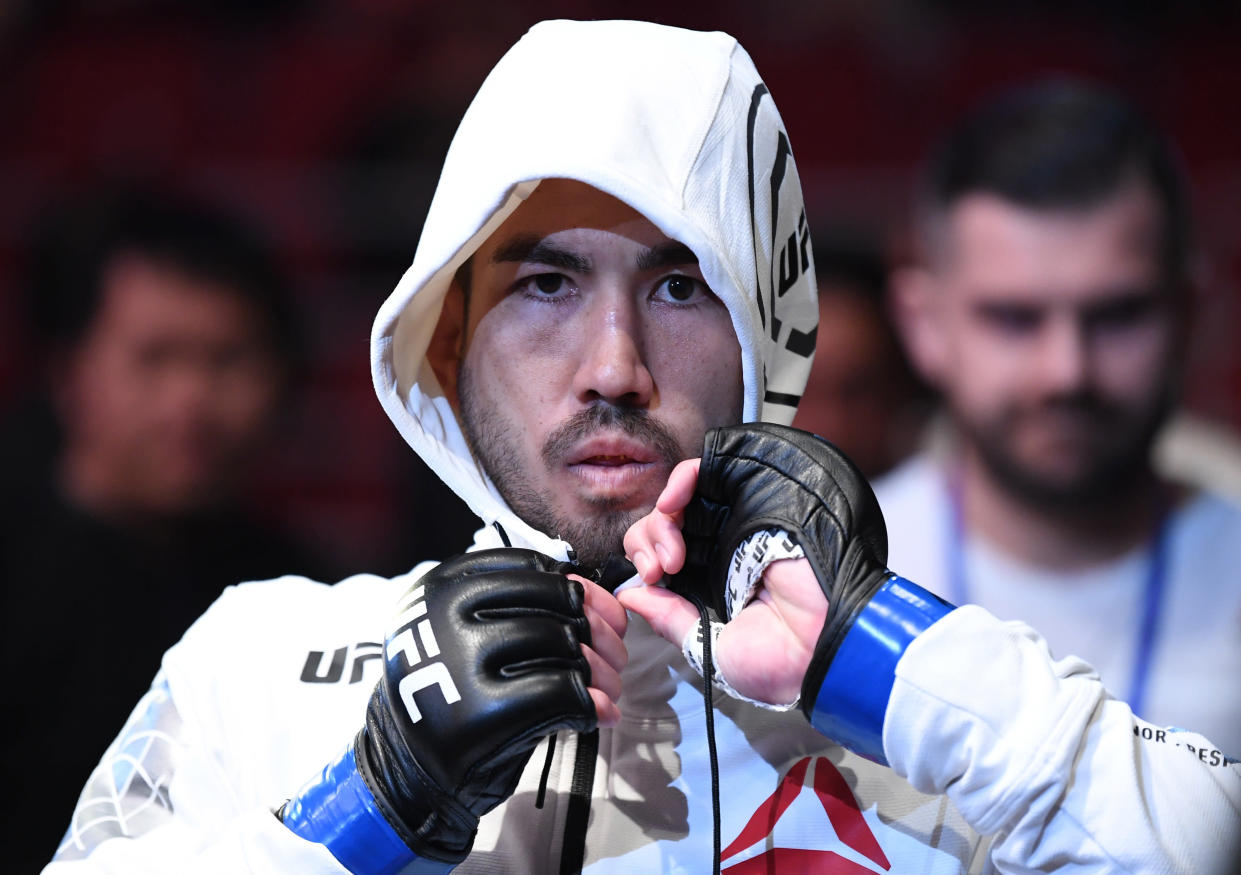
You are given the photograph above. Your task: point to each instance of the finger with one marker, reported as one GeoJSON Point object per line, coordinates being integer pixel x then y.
{"type": "Point", "coordinates": [606, 642]}
{"type": "Point", "coordinates": [653, 545]}
{"type": "Point", "coordinates": [679, 489]}
{"type": "Point", "coordinates": [655, 540]}
{"type": "Point", "coordinates": [603, 603]}
{"type": "Point", "coordinates": [640, 549]}
{"type": "Point", "coordinates": [662, 529]}
{"type": "Point", "coordinates": [669, 614]}
{"type": "Point", "coordinates": [602, 675]}
{"type": "Point", "coordinates": [668, 543]}
{"type": "Point", "coordinates": [606, 709]}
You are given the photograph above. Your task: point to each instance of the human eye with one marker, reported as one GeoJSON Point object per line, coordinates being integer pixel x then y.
{"type": "Point", "coordinates": [1123, 313]}
{"type": "Point", "coordinates": [1010, 319]}
{"type": "Point", "coordinates": [154, 354]}
{"type": "Point", "coordinates": [678, 288]}
{"type": "Point", "coordinates": [544, 286]}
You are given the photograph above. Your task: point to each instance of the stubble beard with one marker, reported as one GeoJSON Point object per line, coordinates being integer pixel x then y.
{"type": "Point", "coordinates": [1119, 462]}
{"type": "Point", "coordinates": [494, 440]}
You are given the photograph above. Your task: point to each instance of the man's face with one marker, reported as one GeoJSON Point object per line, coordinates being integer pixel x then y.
{"type": "Point", "coordinates": [1060, 340]}
{"type": "Point", "coordinates": [168, 392]}
{"type": "Point", "coordinates": [595, 359]}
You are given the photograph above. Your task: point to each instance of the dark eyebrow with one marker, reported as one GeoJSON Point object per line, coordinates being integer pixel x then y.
{"type": "Point", "coordinates": [530, 248]}
{"type": "Point", "coordinates": [670, 254]}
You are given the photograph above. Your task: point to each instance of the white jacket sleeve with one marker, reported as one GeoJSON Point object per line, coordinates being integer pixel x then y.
{"type": "Point", "coordinates": [157, 803]}
{"type": "Point", "coordinates": [1036, 752]}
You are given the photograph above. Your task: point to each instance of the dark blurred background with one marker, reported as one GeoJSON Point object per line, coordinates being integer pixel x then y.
{"type": "Point", "coordinates": [324, 123]}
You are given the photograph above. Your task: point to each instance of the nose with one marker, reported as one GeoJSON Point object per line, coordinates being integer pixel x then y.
{"type": "Point", "coordinates": [612, 354]}
{"type": "Point", "coordinates": [1065, 355]}
{"type": "Point", "coordinates": [188, 389]}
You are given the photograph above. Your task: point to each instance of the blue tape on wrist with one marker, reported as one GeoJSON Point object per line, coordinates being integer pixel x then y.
{"type": "Point", "coordinates": [851, 703]}
{"type": "Point", "coordinates": [337, 810]}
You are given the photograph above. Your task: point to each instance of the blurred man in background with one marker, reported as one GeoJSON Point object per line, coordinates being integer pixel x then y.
{"type": "Point", "coordinates": [862, 394]}
{"type": "Point", "coordinates": [168, 348]}
{"type": "Point", "coordinates": [1051, 306]}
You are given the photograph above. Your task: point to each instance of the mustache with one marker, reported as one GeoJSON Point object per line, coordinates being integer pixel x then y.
{"type": "Point", "coordinates": [1084, 404]}
{"type": "Point", "coordinates": [634, 422]}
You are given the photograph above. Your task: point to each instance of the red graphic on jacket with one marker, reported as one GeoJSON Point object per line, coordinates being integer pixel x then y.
{"type": "Point", "coordinates": [842, 812]}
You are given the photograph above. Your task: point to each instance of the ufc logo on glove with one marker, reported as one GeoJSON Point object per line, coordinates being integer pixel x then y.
{"type": "Point", "coordinates": [403, 644]}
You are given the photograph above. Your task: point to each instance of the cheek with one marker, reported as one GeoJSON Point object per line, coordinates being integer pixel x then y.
{"type": "Point", "coordinates": [698, 378]}
{"type": "Point", "coordinates": [1135, 366]}
{"type": "Point", "coordinates": [109, 393]}
{"type": "Point", "coordinates": [520, 363]}
{"type": "Point", "coordinates": [243, 403]}
{"type": "Point", "coordinates": [977, 396]}
{"type": "Point", "coordinates": [516, 376]}
{"type": "Point", "coordinates": [990, 353]}
{"type": "Point", "coordinates": [723, 390]}
{"type": "Point", "coordinates": [981, 374]}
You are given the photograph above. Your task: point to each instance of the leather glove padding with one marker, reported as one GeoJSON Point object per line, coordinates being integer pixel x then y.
{"type": "Point", "coordinates": [485, 660]}
{"type": "Point", "coordinates": [763, 476]}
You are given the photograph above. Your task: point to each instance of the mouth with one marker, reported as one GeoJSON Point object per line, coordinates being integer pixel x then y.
{"type": "Point", "coordinates": [613, 466]}
{"type": "Point", "coordinates": [608, 461]}
{"type": "Point", "coordinates": [1067, 427]}
{"type": "Point", "coordinates": [611, 452]}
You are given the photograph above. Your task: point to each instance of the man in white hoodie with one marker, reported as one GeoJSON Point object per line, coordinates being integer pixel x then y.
{"type": "Point", "coordinates": [600, 296]}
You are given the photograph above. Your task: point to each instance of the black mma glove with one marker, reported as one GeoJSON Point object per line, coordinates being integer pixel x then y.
{"type": "Point", "coordinates": [483, 661]}
{"type": "Point", "coordinates": [763, 477]}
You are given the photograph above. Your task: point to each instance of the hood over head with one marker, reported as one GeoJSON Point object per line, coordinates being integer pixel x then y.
{"type": "Point", "coordinates": [678, 125]}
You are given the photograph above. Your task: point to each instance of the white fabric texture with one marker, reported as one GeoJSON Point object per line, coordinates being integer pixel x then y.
{"type": "Point", "coordinates": [1034, 751]}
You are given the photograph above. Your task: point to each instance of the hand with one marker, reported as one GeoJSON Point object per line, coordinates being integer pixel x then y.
{"type": "Point", "coordinates": [763, 651]}
{"type": "Point", "coordinates": [761, 478]}
{"type": "Point", "coordinates": [491, 652]}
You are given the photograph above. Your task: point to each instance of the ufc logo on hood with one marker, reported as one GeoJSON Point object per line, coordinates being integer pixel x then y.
{"type": "Point", "coordinates": [778, 219]}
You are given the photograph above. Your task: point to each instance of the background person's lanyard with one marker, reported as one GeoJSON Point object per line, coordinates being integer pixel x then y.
{"type": "Point", "coordinates": [1152, 591]}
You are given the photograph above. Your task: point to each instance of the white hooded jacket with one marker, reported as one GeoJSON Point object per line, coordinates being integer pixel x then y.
{"type": "Point", "coordinates": [273, 680]}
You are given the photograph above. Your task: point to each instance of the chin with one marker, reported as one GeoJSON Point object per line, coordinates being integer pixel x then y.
{"type": "Point", "coordinates": [1067, 490]}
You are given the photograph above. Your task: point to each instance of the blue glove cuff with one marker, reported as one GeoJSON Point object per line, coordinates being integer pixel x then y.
{"type": "Point", "coordinates": [337, 810]}
{"type": "Point", "coordinates": [851, 703]}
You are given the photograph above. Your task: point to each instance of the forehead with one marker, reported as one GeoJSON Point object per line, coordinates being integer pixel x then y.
{"type": "Point", "coordinates": [143, 294]}
{"type": "Point", "coordinates": [558, 205]}
{"type": "Point", "coordinates": [996, 246]}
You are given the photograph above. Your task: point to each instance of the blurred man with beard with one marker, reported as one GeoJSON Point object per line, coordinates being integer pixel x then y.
{"type": "Point", "coordinates": [1051, 307]}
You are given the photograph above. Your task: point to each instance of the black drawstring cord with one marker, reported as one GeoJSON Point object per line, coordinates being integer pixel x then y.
{"type": "Point", "coordinates": [573, 854]}
{"type": "Point", "coordinates": [547, 769]}
{"type": "Point", "coordinates": [708, 674]}
{"type": "Point", "coordinates": [573, 847]}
